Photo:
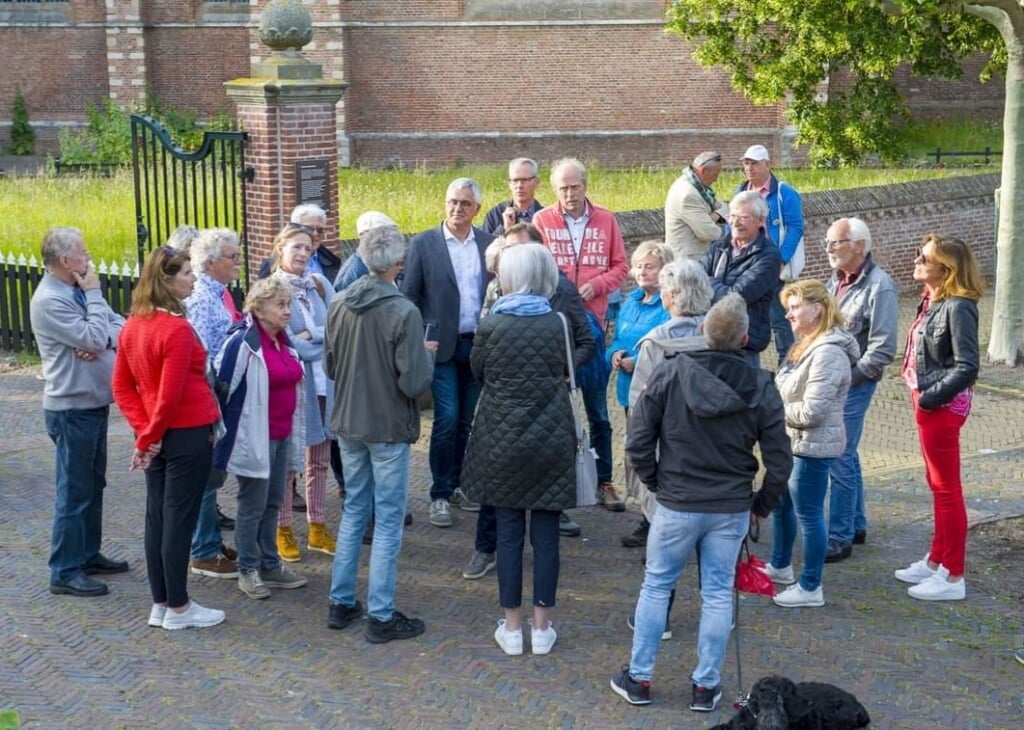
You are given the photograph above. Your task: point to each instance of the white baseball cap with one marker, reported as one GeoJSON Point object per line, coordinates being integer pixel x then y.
{"type": "Point", "coordinates": [373, 219]}
{"type": "Point", "coordinates": [756, 152]}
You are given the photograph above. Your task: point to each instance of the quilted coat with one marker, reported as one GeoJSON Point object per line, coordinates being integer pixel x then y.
{"type": "Point", "coordinates": [521, 451]}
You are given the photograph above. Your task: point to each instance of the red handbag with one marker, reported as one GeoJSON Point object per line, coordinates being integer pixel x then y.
{"type": "Point", "coordinates": [751, 574]}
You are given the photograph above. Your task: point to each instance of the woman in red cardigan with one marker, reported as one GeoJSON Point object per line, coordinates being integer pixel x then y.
{"type": "Point", "coordinates": [160, 385]}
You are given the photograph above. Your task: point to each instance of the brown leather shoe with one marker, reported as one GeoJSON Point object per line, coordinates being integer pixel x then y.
{"type": "Point", "coordinates": [609, 498]}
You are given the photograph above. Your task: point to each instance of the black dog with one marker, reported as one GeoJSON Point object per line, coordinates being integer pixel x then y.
{"type": "Point", "coordinates": [776, 703]}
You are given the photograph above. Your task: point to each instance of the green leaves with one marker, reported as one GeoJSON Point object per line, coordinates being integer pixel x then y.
{"type": "Point", "coordinates": [835, 61]}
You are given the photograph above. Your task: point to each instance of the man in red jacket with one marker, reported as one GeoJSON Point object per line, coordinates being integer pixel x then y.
{"type": "Point", "coordinates": [587, 245]}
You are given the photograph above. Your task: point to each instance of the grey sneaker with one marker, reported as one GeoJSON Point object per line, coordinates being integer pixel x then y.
{"type": "Point", "coordinates": [440, 513]}
{"type": "Point", "coordinates": [460, 500]}
{"type": "Point", "coordinates": [282, 577]}
{"type": "Point", "coordinates": [479, 565]}
{"type": "Point", "coordinates": [252, 585]}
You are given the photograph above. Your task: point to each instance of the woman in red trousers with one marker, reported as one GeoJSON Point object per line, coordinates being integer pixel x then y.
{"type": "Point", "coordinates": [940, 366]}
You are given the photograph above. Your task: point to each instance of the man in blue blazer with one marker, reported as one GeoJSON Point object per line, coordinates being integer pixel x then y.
{"type": "Point", "coordinates": [445, 277]}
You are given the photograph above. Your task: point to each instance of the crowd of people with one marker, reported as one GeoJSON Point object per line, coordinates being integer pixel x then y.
{"type": "Point", "coordinates": [323, 367]}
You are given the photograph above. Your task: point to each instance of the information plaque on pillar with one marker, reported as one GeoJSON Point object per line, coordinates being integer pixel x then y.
{"type": "Point", "coordinates": [312, 182]}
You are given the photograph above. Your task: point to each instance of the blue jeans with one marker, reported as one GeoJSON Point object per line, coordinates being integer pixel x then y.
{"type": "Point", "coordinates": [595, 402]}
{"type": "Point", "coordinates": [846, 502]}
{"type": "Point", "coordinates": [455, 393]}
{"type": "Point", "coordinates": [376, 483]}
{"type": "Point", "coordinates": [544, 541]}
{"type": "Point", "coordinates": [258, 503]}
{"type": "Point", "coordinates": [673, 538]}
{"type": "Point", "coordinates": [80, 436]}
{"type": "Point", "coordinates": [206, 541]}
{"type": "Point", "coordinates": [486, 529]}
{"type": "Point", "coordinates": [781, 328]}
{"type": "Point", "coordinates": [805, 501]}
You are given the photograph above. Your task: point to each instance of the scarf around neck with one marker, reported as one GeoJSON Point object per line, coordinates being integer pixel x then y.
{"type": "Point", "coordinates": [705, 190]}
{"type": "Point", "coordinates": [521, 305]}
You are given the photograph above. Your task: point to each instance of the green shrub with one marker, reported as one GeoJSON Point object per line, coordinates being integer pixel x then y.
{"type": "Point", "coordinates": [23, 137]}
{"type": "Point", "coordinates": [106, 139]}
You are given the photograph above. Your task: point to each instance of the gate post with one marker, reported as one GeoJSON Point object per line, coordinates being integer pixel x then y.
{"type": "Point", "coordinates": [288, 110]}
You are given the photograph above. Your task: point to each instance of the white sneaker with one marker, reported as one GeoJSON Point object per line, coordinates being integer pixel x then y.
{"type": "Point", "coordinates": [939, 588]}
{"type": "Point", "coordinates": [440, 513]}
{"type": "Point", "coordinates": [156, 616]}
{"type": "Point", "coordinates": [511, 642]}
{"type": "Point", "coordinates": [915, 572]}
{"type": "Point", "coordinates": [783, 576]}
{"type": "Point", "coordinates": [196, 617]}
{"type": "Point", "coordinates": [541, 640]}
{"type": "Point", "coordinates": [796, 596]}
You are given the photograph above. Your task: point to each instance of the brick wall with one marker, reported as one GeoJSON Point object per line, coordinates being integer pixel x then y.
{"type": "Point", "coordinates": [189, 66]}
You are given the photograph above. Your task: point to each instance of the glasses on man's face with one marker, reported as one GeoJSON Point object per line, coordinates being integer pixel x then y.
{"type": "Point", "coordinates": [828, 243]}
{"type": "Point", "coordinates": [740, 218]}
{"type": "Point", "coordinates": [463, 204]}
{"type": "Point", "coordinates": [521, 180]}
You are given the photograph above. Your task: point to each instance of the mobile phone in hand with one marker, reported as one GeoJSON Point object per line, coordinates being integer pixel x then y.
{"type": "Point", "coordinates": [430, 331]}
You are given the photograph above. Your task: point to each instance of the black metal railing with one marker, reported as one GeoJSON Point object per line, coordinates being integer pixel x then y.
{"type": "Point", "coordinates": [986, 154]}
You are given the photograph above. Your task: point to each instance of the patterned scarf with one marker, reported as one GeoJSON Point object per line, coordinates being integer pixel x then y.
{"type": "Point", "coordinates": [522, 305]}
{"type": "Point", "coordinates": [303, 284]}
{"type": "Point", "coordinates": [705, 190]}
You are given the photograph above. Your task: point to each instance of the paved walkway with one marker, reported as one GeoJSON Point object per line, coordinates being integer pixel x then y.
{"type": "Point", "coordinates": [68, 662]}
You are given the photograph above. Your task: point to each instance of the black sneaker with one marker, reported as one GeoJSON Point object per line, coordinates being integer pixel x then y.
{"type": "Point", "coordinates": [339, 615]}
{"type": "Point", "coordinates": [632, 691]}
{"type": "Point", "coordinates": [705, 699]}
{"type": "Point", "coordinates": [637, 538]}
{"type": "Point", "coordinates": [399, 627]}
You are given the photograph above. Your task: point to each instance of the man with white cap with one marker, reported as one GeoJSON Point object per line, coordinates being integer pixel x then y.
{"type": "Point", "coordinates": [784, 226]}
{"type": "Point", "coordinates": [354, 268]}
{"type": "Point", "coordinates": [693, 215]}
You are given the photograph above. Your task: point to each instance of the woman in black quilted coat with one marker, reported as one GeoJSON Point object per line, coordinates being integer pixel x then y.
{"type": "Point", "coordinates": [521, 451]}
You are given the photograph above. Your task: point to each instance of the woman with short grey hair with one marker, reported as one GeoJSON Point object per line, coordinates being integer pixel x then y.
{"type": "Point", "coordinates": [382, 248]}
{"type": "Point", "coordinates": [521, 452]}
{"type": "Point", "coordinates": [208, 245]}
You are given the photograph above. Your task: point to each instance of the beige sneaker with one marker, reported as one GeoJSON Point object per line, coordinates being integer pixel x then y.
{"type": "Point", "coordinates": [287, 548]}
{"type": "Point", "coordinates": [320, 539]}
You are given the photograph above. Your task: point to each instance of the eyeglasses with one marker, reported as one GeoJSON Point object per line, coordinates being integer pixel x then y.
{"type": "Point", "coordinates": [521, 180]}
{"type": "Point", "coordinates": [465, 204]}
{"type": "Point", "coordinates": [236, 257]}
{"type": "Point", "coordinates": [834, 243]}
{"type": "Point", "coordinates": [740, 218]}
{"type": "Point", "coordinates": [309, 230]}
{"type": "Point", "coordinates": [168, 251]}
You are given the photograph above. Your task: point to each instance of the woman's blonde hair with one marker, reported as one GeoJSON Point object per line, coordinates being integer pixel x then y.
{"type": "Point", "coordinates": [963, 278]}
{"type": "Point", "coordinates": [264, 290]}
{"type": "Point", "coordinates": [812, 291]}
{"type": "Point", "coordinates": [286, 234]}
{"type": "Point", "coordinates": [153, 290]}
{"type": "Point", "coordinates": [654, 247]}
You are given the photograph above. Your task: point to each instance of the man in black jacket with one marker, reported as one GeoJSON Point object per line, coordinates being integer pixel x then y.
{"type": "Point", "coordinates": [691, 441]}
{"type": "Point", "coordinates": [745, 261]}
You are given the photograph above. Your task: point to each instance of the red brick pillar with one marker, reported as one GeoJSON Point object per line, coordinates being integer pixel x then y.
{"type": "Point", "coordinates": [288, 110]}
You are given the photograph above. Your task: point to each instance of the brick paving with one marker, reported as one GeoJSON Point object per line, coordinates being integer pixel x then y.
{"type": "Point", "coordinates": [71, 662]}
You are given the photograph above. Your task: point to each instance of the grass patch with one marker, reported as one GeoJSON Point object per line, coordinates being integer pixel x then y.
{"type": "Point", "coordinates": [104, 208]}
{"type": "Point", "coordinates": [922, 138]}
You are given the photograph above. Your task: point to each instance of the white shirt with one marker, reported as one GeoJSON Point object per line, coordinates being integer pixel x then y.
{"type": "Point", "coordinates": [577, 226]}
{"type": "Point", "coordinates": [465, 258]}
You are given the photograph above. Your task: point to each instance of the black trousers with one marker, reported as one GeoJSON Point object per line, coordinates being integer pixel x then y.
{"type": "Point", "coordinates": [175, 482]}
{"type": "Point", "coordinates": [543, 539]}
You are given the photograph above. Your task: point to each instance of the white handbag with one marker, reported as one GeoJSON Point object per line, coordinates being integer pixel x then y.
{"type": "Point", "coordinates": [586, 459]}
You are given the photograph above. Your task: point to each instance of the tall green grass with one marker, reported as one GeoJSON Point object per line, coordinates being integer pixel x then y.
{"type": "Point", "coordinates": [104, 207]}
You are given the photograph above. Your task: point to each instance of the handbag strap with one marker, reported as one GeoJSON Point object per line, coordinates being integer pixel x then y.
{"type": "Point", "coordinates": [568, 353]}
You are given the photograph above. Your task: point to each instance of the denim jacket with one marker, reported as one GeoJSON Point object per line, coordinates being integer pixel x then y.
{"type": "Point", "coordinates": [946, 357]}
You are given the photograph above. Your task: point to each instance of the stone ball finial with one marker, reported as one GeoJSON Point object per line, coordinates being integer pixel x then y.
{"type": "Point", "coordinates": [285, 24]}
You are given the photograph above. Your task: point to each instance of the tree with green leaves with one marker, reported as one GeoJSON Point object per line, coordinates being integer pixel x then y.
{"type": "Point", "coordinates": [833, 62]}
{"type": "Point", "coordinates": [23, 137]}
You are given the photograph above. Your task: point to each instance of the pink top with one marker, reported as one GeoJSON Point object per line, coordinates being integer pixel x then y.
{"type": "Point", "coordinates": [283, 373]}
{"type": "Point", "coordinates": [961, 403]}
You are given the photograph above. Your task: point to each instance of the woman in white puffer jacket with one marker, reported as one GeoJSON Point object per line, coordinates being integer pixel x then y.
{"type": "Point", "coordinates": [813, 381]}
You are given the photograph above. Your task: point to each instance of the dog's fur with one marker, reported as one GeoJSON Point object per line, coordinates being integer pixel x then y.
{"type": "Point", "coordinates": [776, 703]}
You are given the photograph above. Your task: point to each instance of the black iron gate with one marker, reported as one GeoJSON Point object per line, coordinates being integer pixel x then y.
{"type": "Point", "coordinates": [174, 187]}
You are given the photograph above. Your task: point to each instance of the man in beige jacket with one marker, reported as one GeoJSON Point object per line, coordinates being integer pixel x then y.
{"type": "Point", "coordinates": [693, 215]}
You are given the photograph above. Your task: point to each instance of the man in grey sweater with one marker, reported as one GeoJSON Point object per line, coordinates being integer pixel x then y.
{"type": "Point", "coordinates": [76, 332]}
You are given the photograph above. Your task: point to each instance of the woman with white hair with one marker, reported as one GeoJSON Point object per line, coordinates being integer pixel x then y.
{"type": "Point", "coordinates": [521, 451]}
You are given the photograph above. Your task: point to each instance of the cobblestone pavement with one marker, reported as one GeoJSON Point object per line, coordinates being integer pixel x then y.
{"type": "Point", "coordinates": [70, 662]}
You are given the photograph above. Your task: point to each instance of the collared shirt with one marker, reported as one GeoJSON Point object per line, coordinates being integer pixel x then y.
{"type": "Point", "coordinates": [207, 314]}
{"type": "Point", "coordinates": [577, 227]}
{"type": "Point", "coordinates": [845, 280]}
{"type": "Point", "coordinates": [465, 257]}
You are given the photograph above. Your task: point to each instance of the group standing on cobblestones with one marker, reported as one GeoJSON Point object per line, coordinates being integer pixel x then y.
{"type": "Point", "coordinates": [324, 367]}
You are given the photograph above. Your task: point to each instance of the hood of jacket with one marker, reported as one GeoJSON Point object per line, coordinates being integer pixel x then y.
{"type": "Point", "coordinates": [708, 395]}
{"type": "Point", "coordinates": [368, 292]}
{"type": "Point", "coordinates": [836, 336]}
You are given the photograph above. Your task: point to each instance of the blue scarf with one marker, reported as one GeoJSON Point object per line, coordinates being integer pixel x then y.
{"type": "Point", "coordinates": [521, 305]}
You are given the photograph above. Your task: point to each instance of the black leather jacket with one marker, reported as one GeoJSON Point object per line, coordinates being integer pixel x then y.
{"type": "Point", "coordinates": [946, 356]}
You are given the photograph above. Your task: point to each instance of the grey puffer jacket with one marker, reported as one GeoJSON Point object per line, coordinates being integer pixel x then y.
{"type": "Point", "coordinates": [814, 391]}
{"type": "Point", "coordinates": [522, 449]}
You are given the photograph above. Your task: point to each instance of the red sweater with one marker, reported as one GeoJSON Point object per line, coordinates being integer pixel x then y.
{"type": "Point", "coordinates": [602, 258]}
{"type": "Point", "coordinates": [160, 378]}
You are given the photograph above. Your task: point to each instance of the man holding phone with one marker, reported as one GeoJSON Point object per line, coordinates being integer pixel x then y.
{"type": "Point", "coordinates": [522, 181]}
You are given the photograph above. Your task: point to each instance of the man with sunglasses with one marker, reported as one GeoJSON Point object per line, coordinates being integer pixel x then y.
{"type": "Point", "coordinates": [445, 276]}
{"type": "Point", "coordinates": [694, 217]}
{"type": "Point", "coordinates": [869, 302]}
{"type": "Point", "coordinates": [522, 181]}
